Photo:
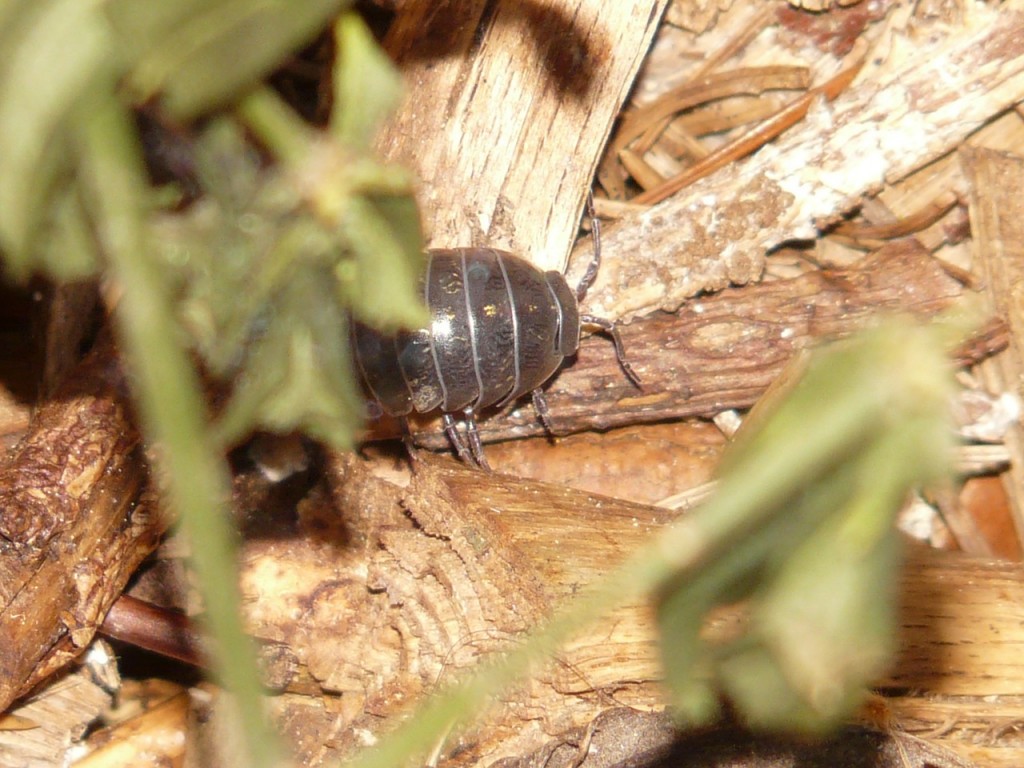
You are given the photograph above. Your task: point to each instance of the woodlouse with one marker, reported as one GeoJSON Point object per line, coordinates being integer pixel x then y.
{"type": "Point", "coordinates": [500, 327]}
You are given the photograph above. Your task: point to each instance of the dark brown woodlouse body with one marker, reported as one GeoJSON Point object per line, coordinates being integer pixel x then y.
{"type": "Point", "coordinates": [499, 328]}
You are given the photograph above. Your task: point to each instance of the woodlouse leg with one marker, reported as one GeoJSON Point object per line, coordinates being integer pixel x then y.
{"type": "Point", "coordinates": [410, 446]}
{"type": "Point", "coordinates": [540, 405]}
{"type": "Point", "coordinates": [475, 445]}
{"type": "Point", "coordinates": [620, 352]}
{"type": "Point", "coordinates": [451, 429]}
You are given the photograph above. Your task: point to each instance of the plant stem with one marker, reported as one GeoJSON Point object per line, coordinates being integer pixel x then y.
{"type": "Point", "coordinates": [192, 470]}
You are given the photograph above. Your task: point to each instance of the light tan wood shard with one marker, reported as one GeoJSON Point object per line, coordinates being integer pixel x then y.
{"type": "Point", "coordinates": [154, 738]}
{"type": "Point", "coordinates": [997, 225]}
{"type": "Point", "coordinates": [45, 728]}
{"type": "Point", "coordinates": [904, 113]}
{"type": "Point", "coordinates": [507, 107]}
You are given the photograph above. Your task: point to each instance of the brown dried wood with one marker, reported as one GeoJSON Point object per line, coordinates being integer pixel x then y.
{"type": "Point", "coordinates": [905, 112]}
{"type": "Point", "coordinates": [723, 351]}
{"type": "Point", "coordinates": [72, 529]}
{"type": "Point", "coordinates": [417, 580]}
{"type": "Point", "coordinates": [37, 733]}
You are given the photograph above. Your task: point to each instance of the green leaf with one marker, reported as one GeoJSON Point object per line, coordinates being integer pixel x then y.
{"type": "Point", "coordinates": [52, 52]}
{"type": "Point", "coordinates": [198, 55]}
{"type": "Point", "coordinates": [167, 389]}
{"type": "Point", "coordinates": [366, 85]}
{"type": "Point", "coordinates": [299, 374]}
{"type": "Point", "coordinates": [69, 251]}
{"type": "Point", "coordinates": [384, 234]}
{"type": "Point", "coordinates": [802, 526]}
{"type": "Point", "coordinates": [751, 677]}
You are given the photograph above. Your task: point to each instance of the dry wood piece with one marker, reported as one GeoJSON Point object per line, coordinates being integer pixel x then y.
{"type": "Point", "coordinates": [673, 456]}
{"type": "Point", "coordinates": [403, 584]}
{"type": "Point", "coordinates": [723, 351]}
{"type": "Point", "coordinates": [14, 418]}
{"type": "Point", "coordinates": [508, 105]}
{"type": "Point", "coordinates": [406, 586]}
{"type": "Point", "coordinates": [904, 114]}
{"type": "Point", "coordinates": [997, 226]}
{"type": "Point", "coordinates": [151, 739]}
{"type": "Point", "coordinates": [625, 737]}
{"type": "Point", "coordinates": [38, 733]}
{"type": "Point", "coordinates": [984, 658]}
{"type": "Point", "coordinates": [72, 530]}
{"type": "Point", "coordinates": [986, 730]}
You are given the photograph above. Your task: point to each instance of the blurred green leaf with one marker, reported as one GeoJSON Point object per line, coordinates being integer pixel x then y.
{"type": "Point", "coordinates": [384, 234]}
{"type": "Point", "coordinates": [368, 206]}
{"type": "Point", "coordinates": [802, 525]}
{"type": "Point", "coordinates": [52, 52]}
{"type": "Point", "coordinates": [299, 376]}
{"type": "Point", "coordinates": [254, 275]}
{"type": "Point", "coordinates": [366, 85]}
{"type": "Point", "coordinates": [198, 55]}
{"type": "Point", "coordinates": [238, 254]}
{"type": "Point", "coordinates": [828, 617]}
{"type": "Point", "coordinates": [69, 250]}
{"type": "Point", "coordinates": [216, 250]}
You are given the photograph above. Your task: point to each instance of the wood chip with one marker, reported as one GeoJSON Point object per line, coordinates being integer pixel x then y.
{"type": "Point", "coordinates": [997, 226]}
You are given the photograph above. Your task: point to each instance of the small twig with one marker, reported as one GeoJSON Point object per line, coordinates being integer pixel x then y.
{"type": "Point", "coordinates": [164, 631]}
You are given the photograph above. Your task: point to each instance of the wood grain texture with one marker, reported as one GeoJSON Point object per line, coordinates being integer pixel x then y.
{"type": "Point", "coordinates": [406, 581]}
{"type": "Point", "coordinates": [507, 107]}
{"type": "Point", "coordinates": [906, 112]}
{"type": "Point", "coordinates": [997, 224]}
{"type": "Point", "coordinates": [58, 714]}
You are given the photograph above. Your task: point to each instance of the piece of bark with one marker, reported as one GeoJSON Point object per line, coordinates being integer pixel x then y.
{"type": "Point", "coordinates": [723, 351]}
{"type": "Point", "coordinates": [401, 588]}
{"type": "Point", "coordinates": [983, 499]}
{"type": "Point", "coordinates": [507, 107]}
{"type": "Point", "coordinates": [14, 418]}
{"type": "Point", "coordinates": [73, 529]}
{"type": "Point", "coordinates": [400, 585]}
{"type": "Point", "coordinates": [676, 456]}
{"type": "Point", "coordinates": [997, 225]}
{"type": "Point", "coordinates": [905, 112]}
{"type": "Point", "coordinates": [981, 728]}
{"type": "Point", "coordinates": [977, 652]}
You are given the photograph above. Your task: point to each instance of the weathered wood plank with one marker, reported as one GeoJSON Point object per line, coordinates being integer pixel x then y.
{"type": "Point", "coordinates": [508, 105]}
{"type": "Point", "coordinates": [997, 226]}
